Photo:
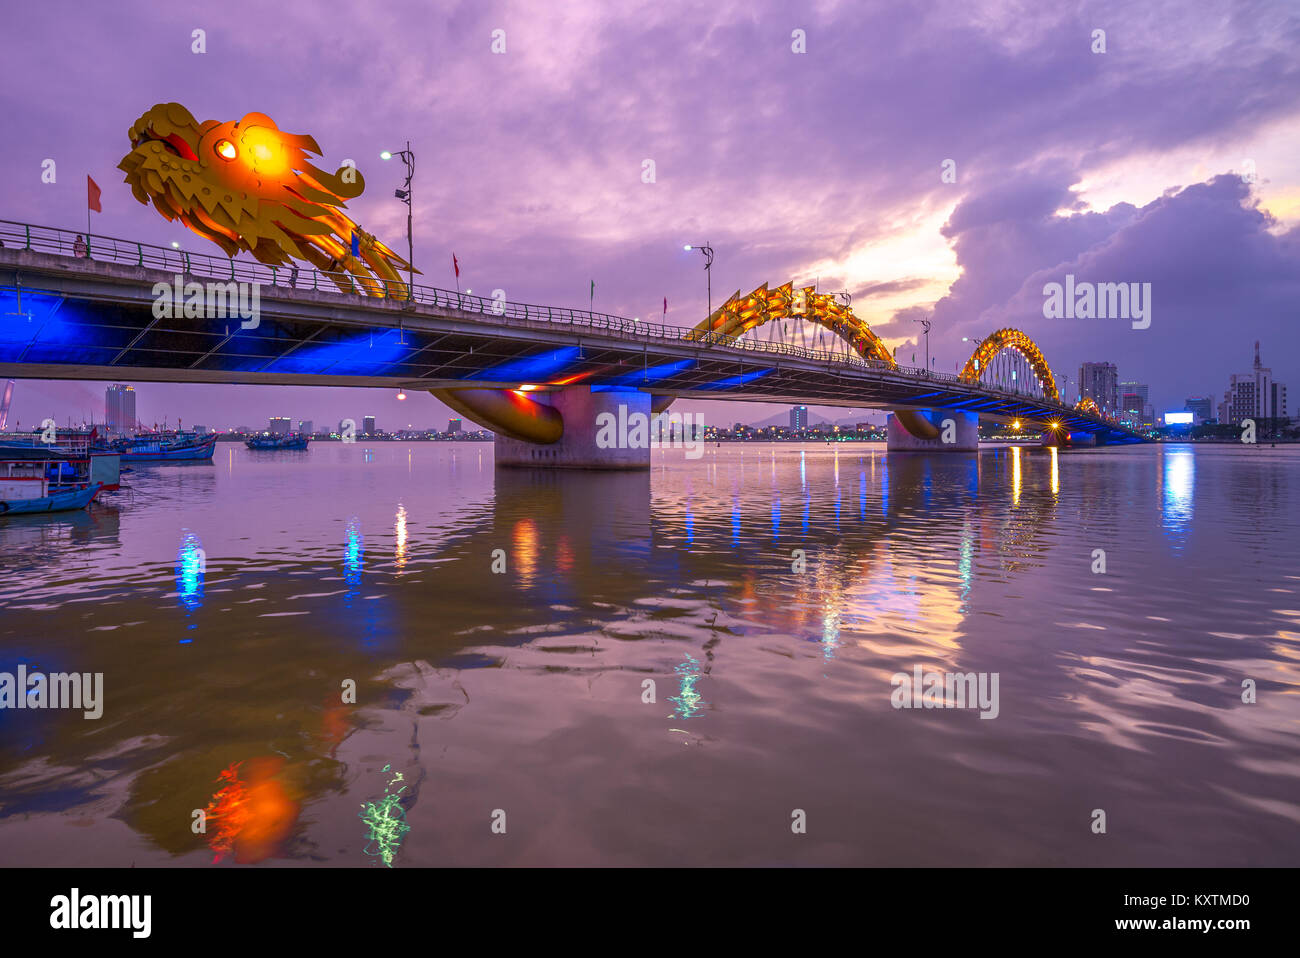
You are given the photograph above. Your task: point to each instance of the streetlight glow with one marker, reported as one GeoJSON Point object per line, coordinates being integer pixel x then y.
{"type": "Point", "coordinates": [385, 155]}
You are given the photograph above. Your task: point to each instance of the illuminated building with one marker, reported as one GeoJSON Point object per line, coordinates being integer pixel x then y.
{"type": "Point", "coordinates": [1100, 383]}
{"type": "Point", "coordinates": [119, 408]}
{"type": "Point", "coordinates": [1253, 395]}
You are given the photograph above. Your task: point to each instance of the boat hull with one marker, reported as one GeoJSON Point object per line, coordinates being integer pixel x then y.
{"type": "Point", "coordinates": [58, 502]}
{"type": "Point", "coordinates": [276, 445]}
{"type": "Point", "coordinates": [202, 451]}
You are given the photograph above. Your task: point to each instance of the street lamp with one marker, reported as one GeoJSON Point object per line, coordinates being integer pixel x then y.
{"type": "Point", "coordinates": [925, 323]}
{"type": "Point", "coordinates": [707, 250]}
{"type": "Point", "coordinates": [404, 194]}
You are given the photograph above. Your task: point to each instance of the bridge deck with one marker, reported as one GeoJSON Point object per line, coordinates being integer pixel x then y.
{"type": "Point", "coordinates": [63, 317]}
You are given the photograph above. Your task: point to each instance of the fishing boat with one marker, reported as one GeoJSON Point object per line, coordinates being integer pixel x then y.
{"type": "Point", "coordinates": [64, 500]}
{"type": "Point", "coordinates": [165, 447]}
{"type": "Point", "coordinates": [292, 441]}
{"type": "Point", "coordinates": [38, 476]}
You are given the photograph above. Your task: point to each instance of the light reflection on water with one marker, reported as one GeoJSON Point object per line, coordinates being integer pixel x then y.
{"type": "Point", "coordinates": [521, 689]}
{"type": "Point", "coordinates": [1178, 477]}
{"type": "Point", "coordinates": [189, 575]}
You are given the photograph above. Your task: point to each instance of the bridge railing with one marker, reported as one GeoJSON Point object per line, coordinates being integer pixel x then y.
{"type": "Point", "coordinates": [48, 239]}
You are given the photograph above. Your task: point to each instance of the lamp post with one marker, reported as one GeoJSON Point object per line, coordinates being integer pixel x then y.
{"type": "Point", "coordinates": [707, 250]}
{"type": "Point", "coordinates": [404, 194]}
{"type": "Point", "coordinates": [925, 324]}
{"type": "Point", "coordinates": [1065, 393]}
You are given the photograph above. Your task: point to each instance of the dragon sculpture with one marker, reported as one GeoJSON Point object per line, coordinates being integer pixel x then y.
{"type": "Point", "coordinates": [247, 185]}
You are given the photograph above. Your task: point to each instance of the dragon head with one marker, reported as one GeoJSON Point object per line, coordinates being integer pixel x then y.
{"type": "Point", "coordinates": [246, 184]}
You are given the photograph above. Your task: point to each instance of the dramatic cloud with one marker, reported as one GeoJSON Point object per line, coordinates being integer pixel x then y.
{"type": "Point", "coordinates": [1218, 277]}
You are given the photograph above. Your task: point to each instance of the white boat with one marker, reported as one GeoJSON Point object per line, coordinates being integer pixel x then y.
{"type": "Point", "coordinates": [37, 477]}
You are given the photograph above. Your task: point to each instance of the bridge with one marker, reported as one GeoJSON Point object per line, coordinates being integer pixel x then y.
{"type": "Point", "coordinates": [538, 376]}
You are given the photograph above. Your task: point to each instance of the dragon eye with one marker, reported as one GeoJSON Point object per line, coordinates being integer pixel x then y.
{"type": "Point", "coordinates": [225, 149]}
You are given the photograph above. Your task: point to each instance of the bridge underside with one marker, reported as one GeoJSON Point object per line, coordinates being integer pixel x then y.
{"type": "Point", "coordinates": [96, 321]}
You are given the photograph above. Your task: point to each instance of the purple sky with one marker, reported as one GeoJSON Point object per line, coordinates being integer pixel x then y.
{"type": "Point", "coordinates": [1123, 166]}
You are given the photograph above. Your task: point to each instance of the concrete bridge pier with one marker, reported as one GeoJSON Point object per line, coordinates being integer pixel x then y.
{"type": "Point", "coordinates": [933, 430]}
{"type": "Point", "coordinates": [602, 430]}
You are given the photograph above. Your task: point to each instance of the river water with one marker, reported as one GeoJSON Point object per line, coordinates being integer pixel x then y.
{"type": "Point", "coordinates": [688, 666]}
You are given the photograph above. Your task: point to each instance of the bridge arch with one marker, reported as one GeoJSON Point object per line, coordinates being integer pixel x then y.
{"type": "Point", "coordinates": [739, 314]}
{"type": "Point", "coordinates": [1016, 340]}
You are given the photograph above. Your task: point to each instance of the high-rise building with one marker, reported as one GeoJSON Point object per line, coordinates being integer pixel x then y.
{"type": "Point", "coordinates": [453, 425]}
{"type": "Point", "coordinates": [368, 425]}
{"type": "Point", "coordinates": [1253, 395]}
{"type": "Point", "coordinates": [1141, 390]}
{"type": "Point", "coordinates": [119, 408]}
{"type": "Point", "coordinates": [279, 425]}
{"type": "Point", "coordinates": [799, 417]}
{"type": "Point", "coordinates": [1135, 398]}
{"type": "Point", "coordinates": [306, 427]}
{"type": "Point", "coordinates": [1202, 407]}
{"type": "Point", "coordinates": [1100, 381]}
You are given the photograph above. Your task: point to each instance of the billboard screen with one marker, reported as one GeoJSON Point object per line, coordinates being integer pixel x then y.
{"type": "Point", "coordinates": [1178, 418]}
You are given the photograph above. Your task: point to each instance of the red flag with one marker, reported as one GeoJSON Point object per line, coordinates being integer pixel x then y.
{"type": "Point", "coordinates": [455, 264]}
{"type": "Point", "coordinates": [665, 305]}
{"type": "Point", "coordinates": [92, 195]}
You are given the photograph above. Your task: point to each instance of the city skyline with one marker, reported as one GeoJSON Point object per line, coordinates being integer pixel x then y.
{"type": "Point", "coordinates": [759, 411]}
